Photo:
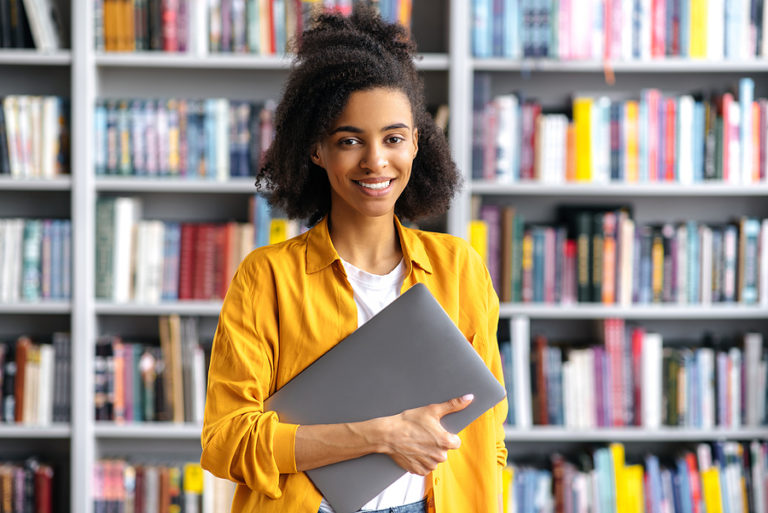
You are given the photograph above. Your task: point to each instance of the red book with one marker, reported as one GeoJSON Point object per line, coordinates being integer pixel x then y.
{"type": "Point", "coordinates": [272, 40]}
{"type": "Point", "coordinates": [170, 37]}
{"type": "Point", "coordinates": [653, 97]}
{"type": "Point", "coordinates": [670, 138]}
{"type": "Point", "coordinates": [229, 256]}
{"type": "Point", "coordinates": [187, 260]}
{"type": "Point", "coordinates": [490, 128]}
{"type": "Point", "coordinates": [726, 102]}
{"type": "Point", "coordinates": [222, 247]}
{"type": "Point", "coordinates": [637, 372]}
{"type": "Point", "coordinates": [695, 484]}
{"type": "Point", "coordinates": [204, 270]}
{"type": "Point", "coordinates": [139, 490]}
{"type": "Point", "coordinates": [609, 258]}
{"type": "Point", "coordinates": [658, 27]}
{"type": "Point", "coordinates": [613, 347]}
{"type": "Point", "coordinates": [22, 348]}
{"type": "Point", "coordinates": [44, 489]}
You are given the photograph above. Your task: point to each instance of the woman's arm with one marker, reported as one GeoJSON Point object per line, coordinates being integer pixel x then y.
{"type": "Point", "coordinates": [414, 439]}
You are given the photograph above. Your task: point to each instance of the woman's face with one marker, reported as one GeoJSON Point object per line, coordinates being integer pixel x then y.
{"type": "Point", "coordinates": [369, 152]}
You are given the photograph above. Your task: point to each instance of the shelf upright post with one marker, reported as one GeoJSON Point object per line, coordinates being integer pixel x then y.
{"type": "Point", "coordinates": [83, 324]}
{"type": "Point", "coordinates": [460, 99]}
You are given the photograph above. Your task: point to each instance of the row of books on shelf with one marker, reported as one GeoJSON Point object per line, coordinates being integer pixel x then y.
{"type": "Point", "coordinates": [30, 24]}
{"type": "Point", "coordinates": [685, 139]}
{"type": "Point", "coordinates": [145, 381]}
{"type": "Point", "coordinates": [600, 254]}
{"type": "Point", "coordinates": [35, 259]}
{"type": "Point", "coordinates": [35, 378]}
{"type": "Point", "coordinates": [154, 487]}
{"type": "Point", "coordinates": [632, 377]}
{"type": "Point", "coordinates": [214, 138]}
{"type": "Point", "coordinates": [149, 261]}
{"type": "Point", "coordinates": [618, 29]}
{"type": "Point", "coordinates": [34, 136]}
{"type": "Point", "coordinates": [27, 486]}
{"type": "Point", "coordinates": [261, 27]}
{"type": "Point", "coordinates": [722, 477]}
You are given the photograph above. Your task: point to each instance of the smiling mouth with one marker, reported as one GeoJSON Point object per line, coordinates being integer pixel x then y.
{"type": "Point", "coordinates": [374, 185]}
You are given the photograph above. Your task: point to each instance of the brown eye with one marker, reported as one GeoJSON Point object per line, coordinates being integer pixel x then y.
{"type": "Point", "coordinates": [394, 139]}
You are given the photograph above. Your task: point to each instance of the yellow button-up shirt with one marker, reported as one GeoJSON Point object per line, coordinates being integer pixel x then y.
{"type": "Point", "coordinates": [287, 305]}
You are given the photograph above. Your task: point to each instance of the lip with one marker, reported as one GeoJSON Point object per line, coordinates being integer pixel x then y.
{"type": "Point", "coordinates": [374, 192]}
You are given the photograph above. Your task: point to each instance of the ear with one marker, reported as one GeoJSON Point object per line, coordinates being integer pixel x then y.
{"type": "Point", "coordinates": [315, 156]}
{"type": "Point", "coordinates": [415, 142]}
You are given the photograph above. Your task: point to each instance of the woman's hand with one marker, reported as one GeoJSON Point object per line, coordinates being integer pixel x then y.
{"type": "Point", "coordinates": [417, 441]}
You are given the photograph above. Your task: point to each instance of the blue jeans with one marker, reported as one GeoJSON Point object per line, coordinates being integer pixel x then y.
{"type": "Point", "coordinates": [416, 507]}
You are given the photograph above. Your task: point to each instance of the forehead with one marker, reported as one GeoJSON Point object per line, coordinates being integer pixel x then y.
{"type": "Point", "coordinates": [375, 107]}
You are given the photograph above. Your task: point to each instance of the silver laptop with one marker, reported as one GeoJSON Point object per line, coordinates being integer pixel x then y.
{"type": "Point", "coordinates": [409, 355]}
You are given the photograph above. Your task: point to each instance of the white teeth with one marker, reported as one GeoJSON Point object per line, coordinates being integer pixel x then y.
{"type": "Point", "coordinates": [375, 186]}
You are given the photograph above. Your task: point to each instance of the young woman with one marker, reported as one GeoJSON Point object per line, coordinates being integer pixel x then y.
{"type": "Point", "coordinates": [355, 151]}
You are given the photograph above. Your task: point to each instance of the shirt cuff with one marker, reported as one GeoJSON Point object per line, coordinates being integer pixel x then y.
{"type": "Point", "coordinates": [285, 447]}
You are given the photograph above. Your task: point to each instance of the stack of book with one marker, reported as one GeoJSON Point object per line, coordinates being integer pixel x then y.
{"type": "Point", "coordinates": [619, 29]}
{"type": "Point", "coordinates": [168, 261]}
{"type": "Point", "coordinates": [35, 260]}
{"type": "Point", "coordinates": [682, 139]}
{"type": "Point", "coordinates": [600, 254]}
{"type": "Point", "coordinates": [726, 476]}
{"type": "Point", "coordinates": [260, 27]}
{"type": "Point", "coordinates": [632, 378]}
{"type": "Point", "coordinates": [30, 24]}
{"type": "Point", "coordinates": [27, 486]}
{"type": "Point", "coordinates": [34, 136]}
{"type": "Point", "coordinates": [120, 485]}
{"type": "Point", "coordinates": [35, 379]}
{"type": "Point", "coordinates": [215, 138]}
{"type": "Point", "coordinates": [144, 382]}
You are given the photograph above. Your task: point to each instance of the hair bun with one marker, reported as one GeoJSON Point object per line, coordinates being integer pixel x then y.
{"type": "Point", "coordinates": [363, 29]}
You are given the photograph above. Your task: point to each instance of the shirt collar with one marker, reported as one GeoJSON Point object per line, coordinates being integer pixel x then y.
{"type": "Point", "coordinates": [321, 253]}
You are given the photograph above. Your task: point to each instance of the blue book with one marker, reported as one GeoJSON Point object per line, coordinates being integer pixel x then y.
{"type": "Point", "coordinates": [193, 139]}
{"type": "Point", "coordinates": [642, 142]}
{"type": "Point", "coordinates": [746, 97]}
{"type": "Point", "coordinates": [261, 222]}
{"type": "Point", "coordinates": [685, 28]}
{"type": "Point", "coordinates": [698, 141]}
{"type": "Point", "coordinates": [278, 11]}
{"type": "Point", "coordinates": [100, 131]}
{"type": "Point", "coordinates": [56, 259]}
{"type": "Point", "coordinates": [695, 387]}
{"type": "Point", "coordinates": [497, 28]}
{"type": "Point", "coordinates": [545, 28]}
{"type": "Point", "coordinates": [31, 260]}
{"type": "Point", "coordinates": [135, 351]}
{"type": "Point", "coordinates": [722, 464]}
{"type": "Point", "coordinates": [694, 263]}
{"type": "Point", "coordinates": [528, 34]}
{"type": "Point", "coordinates": [554, 392]}
{"type": "Point", "coordinates": [733, 30]}
{"type": "Point", "coordinates": [646, 240]}
{"type": "Point", "coordinates": [66, 259]}
{"type": "Point", "coordinates": [505, 352]}
{"type": "Point", "coordinates": [481, 28]}
{"type": "Point", "coordinates": [606, 484]}
{"type": "Point", "coordinates": [684, 499]}
{"type": "Point", "coordinates": [171, 261]}
{"type": "Point", "coordinates": [538, 263]}
{"type": "Point", "coordinates": [654, 483]}
{"type": "Point", "coordinates": [138, 140]}
{"type": "Point", "coordinates": [210, 138]}
{"type": "Point", "coordinates": [512, 29]}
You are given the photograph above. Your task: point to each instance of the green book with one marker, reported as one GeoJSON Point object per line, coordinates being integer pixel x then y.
{"type": "Point", "coordinates": [31, 260]}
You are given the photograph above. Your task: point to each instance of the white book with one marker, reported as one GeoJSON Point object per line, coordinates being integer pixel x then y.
{"type": "Point", "coordinates": [645, 29]}
{"type": "Point", "coordinates": [151, 488]}
{"type": "Point", "coordinates": [4, 265]}
{"type": "Point", "coordinates": [149, 261]}
{"type": "Point", "coordinates": [758, 474]}
{"type": "Point", "coordinates": [11, 115]}
{"type": "Point", "coordinates": [24, 138]}
{"type": "Point", "coordinates": [685, 139]}
{"type": "Point", "coordinates": [198, 384]}
{"type": "Point", "coordinates": [141, 256]}
{"type": "Point", "coordinates": [31, 389]}
{"type": "Point", "coordinates": [651, 394]}
{"type": "Point", "coordinates": [127, 214]}
{"type": "Point", "coordinates": [735, 146]}
{"type": "Point", "coordinates": [568, 393]}
{"type": "Point", "coordinates": [601, 140]}
{"type": "Point", "coordinates": [746, 96]}
{"type": "Point", "coordinates": [716, 29]}
{"type": "Point", "coordinates": [590, 406]}
{"type": "Point", "coordinates": [734, 355]}
{"type": "Point", "coordinates": [705, 238]}
{"type": "Point", "coordinates": [222, 139]}
{"type": "Point", "coordinates": [763, 262]}
{"type": "Point", "coordinates": [16, 233]}
{"type": "Point", "coordinates": [521, 357]}
{"type": "Point", "coordinates": [506, 136]}
{"type": "Point", "coordinates": [627, 29]}
{"type": "Point", "coordinates": [50, 136]}
{"type": "Point", "coordinates": [706, 362]}
{"type": "Point", "coordinates": [198, 27]}
{"type": "Point", "coordinates": [35, 136]}
{"type": "Point", "coordinates": [626, 256]}
{"type": "Point", "coordinates": [704, 456]}
{"type": "Point", "coordinates": [45, 384]}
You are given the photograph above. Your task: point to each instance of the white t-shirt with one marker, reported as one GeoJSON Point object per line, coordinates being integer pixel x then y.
{"type": "Point", "coordinates": [372, 293]}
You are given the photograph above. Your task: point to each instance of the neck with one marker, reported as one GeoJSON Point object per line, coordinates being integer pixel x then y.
{"type": "Point", "coordinates": [368, 243]}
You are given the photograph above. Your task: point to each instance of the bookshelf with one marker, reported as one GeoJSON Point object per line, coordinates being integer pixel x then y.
{"type": "Point", "coordinates": [85, 75]}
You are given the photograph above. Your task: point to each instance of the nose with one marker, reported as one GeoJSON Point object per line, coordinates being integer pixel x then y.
{"type": "Point", "coordinates": [374, 158]}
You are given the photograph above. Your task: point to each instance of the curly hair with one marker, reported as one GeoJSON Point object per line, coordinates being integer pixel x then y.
{"type": "Point", "coordinates": [338, 56]}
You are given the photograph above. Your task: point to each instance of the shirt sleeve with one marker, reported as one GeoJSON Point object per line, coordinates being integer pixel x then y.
{"type": "Point", "coordinates": [500, 410]}
{"type": "Point", "coordinates": [240, 441]}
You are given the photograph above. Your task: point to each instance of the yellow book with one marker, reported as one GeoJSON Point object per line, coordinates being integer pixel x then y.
{"type": "Point", "coordinates": [633, 486]}
{"type": "Point", "coordinates": [582, 119]}
{"type": "Point", "coordinates": [278, 230]}
{"type": "Point", "coordinates": [657, 264]}
{"type": "Point", "coordinates": [508, 477]}
{"type": "Point", "coordinates": [710, 485]}
{"type": "Point", "coordinates": [478, 238]}
{"type": "Point", "coordinates": [617, 455]}
{"type": "Point", "coordinates": [698, 37]}
{"type": "Point", "coordinates": [631, 163]}
{"type": "Point", "coordinates": [193, 478]}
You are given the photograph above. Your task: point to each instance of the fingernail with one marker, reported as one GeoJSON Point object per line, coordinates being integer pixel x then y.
{"type": "Point", "coordinates": [467, 397]}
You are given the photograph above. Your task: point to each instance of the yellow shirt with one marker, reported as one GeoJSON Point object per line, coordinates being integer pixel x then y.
{"type": "Point", "coordinates": [287, 305]}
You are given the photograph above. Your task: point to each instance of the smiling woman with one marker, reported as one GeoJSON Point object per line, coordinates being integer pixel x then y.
{"type": "Point", "coordinates": [354, 151]}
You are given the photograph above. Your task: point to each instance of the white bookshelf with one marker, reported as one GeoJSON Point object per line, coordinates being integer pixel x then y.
{"type": "Point", "coordinates": [34, 58]}
{"type": "Point", "coordinates": [628, 434]}
{"type": "Point", "coordinates": [148, 430]}
{"type": "Point", "coordinates": [24, 431]}
{"type": "Point", "coordinates": [61, 183]}
{"type": "Point", "coordinates": [698, 190]}
{"type": "Point", "coordinates": [175, 185]}
{"type": "Point", "coordinates": [655, 311]}
{"type": "Point", "coordinates": [188, 308]}
{"type": "Point", "coordinates": [36, 308]}
{"type": "Point", "coordinates": [667, 65]}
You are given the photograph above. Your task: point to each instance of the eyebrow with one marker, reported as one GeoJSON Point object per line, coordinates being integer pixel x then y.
{"type": "Point", "coordinates": [356, 130]}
